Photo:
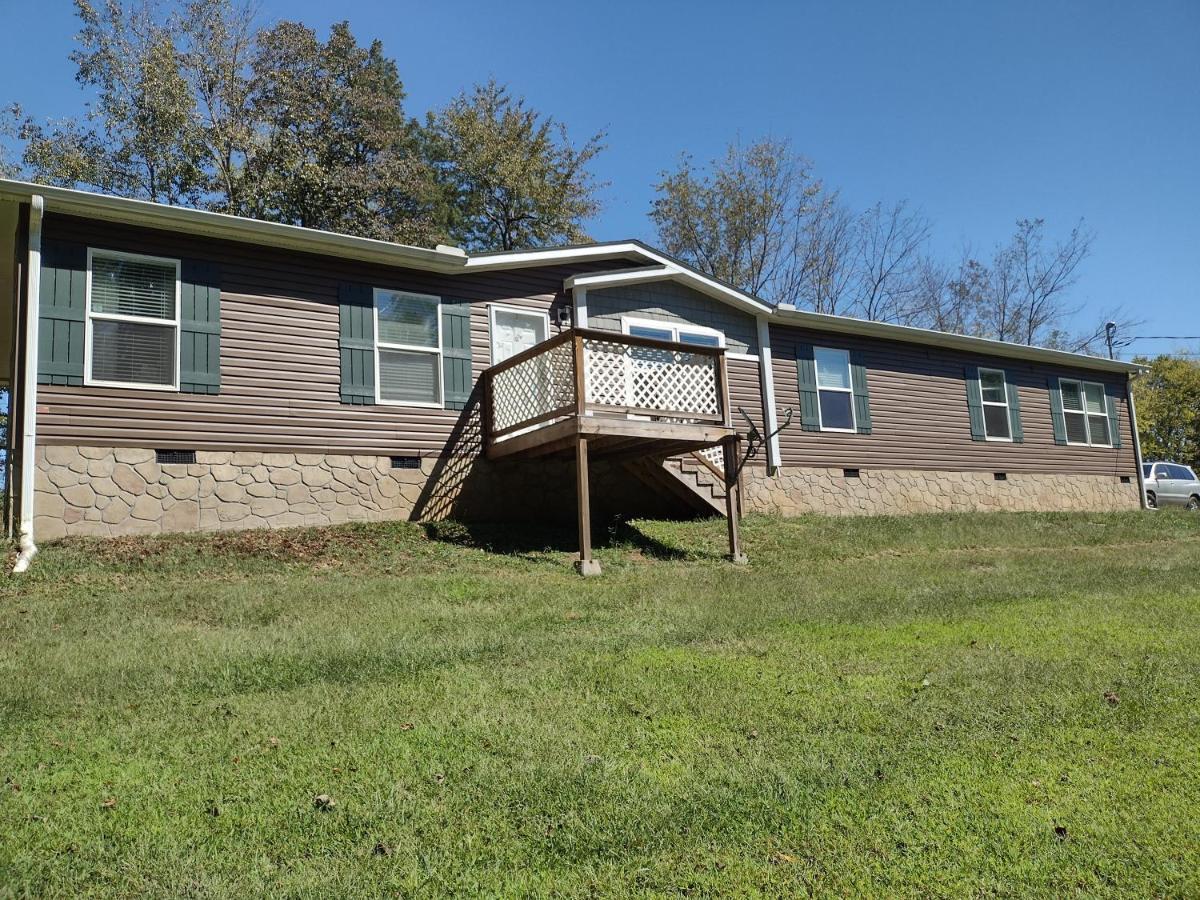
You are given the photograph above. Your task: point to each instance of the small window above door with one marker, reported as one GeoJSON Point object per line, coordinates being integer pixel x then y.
{"type": "Point", "coordinates": [680, 333]}
{"type": "Point", "coordinates": [516, 330]}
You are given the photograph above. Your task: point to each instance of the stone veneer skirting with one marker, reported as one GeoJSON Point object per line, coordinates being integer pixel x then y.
{"type": "Point", "coordinates": [106, 491]}
{"type": "Point", "coordinates": [102, 491]}
{"type": "Point", "coordinates": [793, 491]}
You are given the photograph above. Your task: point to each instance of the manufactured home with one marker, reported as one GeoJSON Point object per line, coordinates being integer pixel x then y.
{"type": "Point", "coordinates": [177, 370]}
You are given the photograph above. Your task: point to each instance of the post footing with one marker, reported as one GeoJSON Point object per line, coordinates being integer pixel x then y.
{"type": "Point", "coordinates": [587, 567]}
{"type": "Point", "coordinates": [738, 559]}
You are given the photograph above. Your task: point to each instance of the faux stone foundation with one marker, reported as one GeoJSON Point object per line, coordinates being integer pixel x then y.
{"type": "Point", "coordinates": [103, 491]}
{"type": "Point", "coordinates": [106, 491]}
{"type": "Point", "coordinates": [794, 491]}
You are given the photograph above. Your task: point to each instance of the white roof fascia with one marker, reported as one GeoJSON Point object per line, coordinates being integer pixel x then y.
{"type": "Point", "coordinates": [787, 315]}
{"type": "Point", "coordinates": [619, 277]}
{"type": "Point", "coordinates": [669, 272]}
{"type": "Point", "coordinates": [516, 259]}
{"type": "Point", "coordinates": [227, 227]}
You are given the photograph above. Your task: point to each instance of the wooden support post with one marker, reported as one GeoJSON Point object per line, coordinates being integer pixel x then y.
{"type": "Point", "coordinates": [732, 500]}
{"type": "Point", "coordinates": [580, 374]}
{"type": "Point", "coordinates": [585, 565]}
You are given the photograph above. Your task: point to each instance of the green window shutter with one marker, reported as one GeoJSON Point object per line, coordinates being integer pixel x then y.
{"type": "Point", "coordinates": [356, 342]}
{"type": "Point", "coordinates": [199, 327]}
{"type": "Point", "coordinates": [975, 403]}
{"type": "Point", "coordinates": [806, 378]}
{"type": "Point", "coordinates": [1114, 418]}
{"type": "Point", "coordinates": [862, 399]}
{"type": "Point", "coordinates": [457, 377]}
{"type": "Point", "coordinates": [1014, 410]}
{"type": "Point", "coordinates": [1056, 411]}
{"type": "Point", "coordinates": [61, 313]}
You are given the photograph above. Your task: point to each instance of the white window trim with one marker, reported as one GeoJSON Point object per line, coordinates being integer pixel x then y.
{"type": "Point", "coordinates": [388, 345]}
{"type": "Point", "coordinates": [494, 308]}
{"type": "Point", "coordinates": [89, 316]}
{"type": "Point", "coordinates": [1083, 402]}
{"type": "Point", "coordinates": [853, 429]}
{"type": "Point", "coordinates": [982, 403]}
{"type": "Point", "coordinates": [628, 322]}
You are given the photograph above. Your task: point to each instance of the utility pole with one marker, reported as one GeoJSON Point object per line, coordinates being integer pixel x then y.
{"type": "Point", "coordinates": [1110, 329]}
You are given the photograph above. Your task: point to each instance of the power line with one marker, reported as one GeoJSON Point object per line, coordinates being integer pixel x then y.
{"type": "Point", "coordinates": [1165, 337]}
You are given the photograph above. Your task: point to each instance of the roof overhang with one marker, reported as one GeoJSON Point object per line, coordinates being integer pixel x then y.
{"type": "Point", "coordinates": [789, 315]}
{"type": "Point", "coordinates": [220, 225]}
{"type": "Point", "coordinates": [667, 270]}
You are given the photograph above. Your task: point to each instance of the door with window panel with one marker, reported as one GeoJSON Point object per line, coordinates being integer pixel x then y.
{"type": "Point", "coordinates": [515, 331]}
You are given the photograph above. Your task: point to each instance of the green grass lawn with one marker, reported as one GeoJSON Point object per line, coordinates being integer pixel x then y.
{"type": "Point", "coordinates": [993, 705]}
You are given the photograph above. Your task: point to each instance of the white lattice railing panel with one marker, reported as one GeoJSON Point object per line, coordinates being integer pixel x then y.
{"type": "Point", "coordinates": [534, 387]}
{"type": "Point", "coordinates": [651, 379]}
{"type": "Point", "coordinates": [715, 455]}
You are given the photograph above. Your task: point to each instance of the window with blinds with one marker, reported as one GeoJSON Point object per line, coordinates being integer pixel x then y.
{"type": "Point", "coordinates": [132, 320]}
{"type": "Point", "coordinates": [408, 348]}
{"type": "Point", "coordinates": [1085, 412]}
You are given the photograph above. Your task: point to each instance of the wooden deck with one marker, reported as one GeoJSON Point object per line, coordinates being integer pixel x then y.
{"type": "Point", "coordinates": [589, 393]}
{"type": "Point", "coordinates": [612, 437]}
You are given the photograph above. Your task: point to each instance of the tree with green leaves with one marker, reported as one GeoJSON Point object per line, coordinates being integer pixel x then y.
{"type": "Point", "coordinates": [1168, 409]}
{"type": "Point", "coordinates": [141, 137]}
{"type": "Point", "coordinates": [197, 106]}
{"type": "Point", "coordinates": [512, 178]}
{"type": "Point", "coordinates": [333, 148]}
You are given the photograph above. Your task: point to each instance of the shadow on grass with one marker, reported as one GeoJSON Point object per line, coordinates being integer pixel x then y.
{"type": "Point", "coordinates": [528, 540]}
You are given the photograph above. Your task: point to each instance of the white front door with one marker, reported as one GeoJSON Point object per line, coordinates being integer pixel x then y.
{"type": "Point", "coordinates": [516, 330]}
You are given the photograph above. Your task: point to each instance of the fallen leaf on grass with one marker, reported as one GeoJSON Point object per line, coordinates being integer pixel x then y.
{"type": "Point", "coordinates": [440, 778]}
{"type": "Point", "coordinates": [407, 726]}
{"type": "Point", "coordinates": [1060, 832]}
{"type": "Point", "coordinates": [109, 803]}
{"type": "Point", "coordinates": [381, 849]}
{"type": "Point", "coordinates": [780, 858]}
{"type": "Point", "coordinates": [1112, 698]}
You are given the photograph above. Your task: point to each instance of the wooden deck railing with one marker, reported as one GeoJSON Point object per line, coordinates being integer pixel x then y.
{"type": "Point", "coordinates": [584, 371]}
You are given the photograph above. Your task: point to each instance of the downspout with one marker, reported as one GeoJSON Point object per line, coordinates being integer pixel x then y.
{"type": "Point", "coordinates": [33, 281]}
{"type": "Point", "coordinates": [1137, 441]}
{"type": "Point", "coordinates": [766, 375]}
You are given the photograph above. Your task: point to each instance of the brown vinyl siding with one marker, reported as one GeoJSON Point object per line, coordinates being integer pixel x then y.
{"type": "Point", "coordinates": [279, 354]}
{"type": "Point", "coordinates": [919, 413]}
{"type": "Point", "coordinates": [280, 374]}
{"type": "Point", "coordinates": [745, 391]}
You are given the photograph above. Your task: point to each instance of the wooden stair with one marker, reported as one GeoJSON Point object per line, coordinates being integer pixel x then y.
{"type": "Point", "coordinates": [684, 477]}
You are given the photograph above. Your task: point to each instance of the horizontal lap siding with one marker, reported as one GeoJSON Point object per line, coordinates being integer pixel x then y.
{"type": "Point", "coordinates": [280, 371]}
{"type": "Point", "coordinates": [745, 393]}
{"type": "Point", "coordinates": [919, 413]}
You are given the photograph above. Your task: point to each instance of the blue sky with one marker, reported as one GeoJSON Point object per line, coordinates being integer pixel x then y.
{"type": "Point", "coordinates": [978, 113]}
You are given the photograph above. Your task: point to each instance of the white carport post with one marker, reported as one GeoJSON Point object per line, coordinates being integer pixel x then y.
{"type": "Point", "coordinates": [33, 280]}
